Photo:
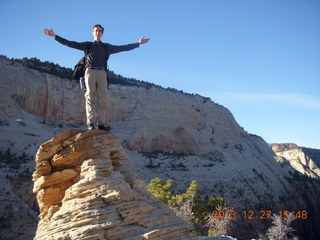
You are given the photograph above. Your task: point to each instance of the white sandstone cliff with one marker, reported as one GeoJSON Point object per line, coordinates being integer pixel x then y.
{"type": "Point", "coordinates": [166, 134]}
{"type": "Point", "coordinates": [298, 158]}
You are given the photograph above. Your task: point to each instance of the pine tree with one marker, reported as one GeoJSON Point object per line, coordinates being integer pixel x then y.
{"type": "Point", "coordinates": [161, 190]}
{"type": "Point", "coordinates": [187, 202]}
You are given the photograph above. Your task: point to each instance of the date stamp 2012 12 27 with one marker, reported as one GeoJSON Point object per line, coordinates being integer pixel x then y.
{"type": "Point", "coordinates": [263, 214]}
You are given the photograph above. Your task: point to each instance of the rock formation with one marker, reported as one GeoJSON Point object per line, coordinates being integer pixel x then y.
{"type": "Point", "coordinates": [306, 161]}
{"type": "Point", "coordinates": [166, 134]}
{"type": "Point", "coordinates": [86, 189]}
{"type": "Point", "coordinates": [155, 119]}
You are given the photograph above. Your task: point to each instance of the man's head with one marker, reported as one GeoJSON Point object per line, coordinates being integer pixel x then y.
{"type": "Point", "coordinates": [97, 32]}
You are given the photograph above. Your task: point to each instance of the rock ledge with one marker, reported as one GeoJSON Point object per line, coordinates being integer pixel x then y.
{"type": "Point", "coordinates": [87, 189]}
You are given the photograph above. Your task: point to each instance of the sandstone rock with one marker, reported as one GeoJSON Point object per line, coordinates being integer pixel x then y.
{"type": "Point", "coordinates": [158, 119]}
{"type": "Point", "coordinates": [91, 191]}
{"type": "Point", "coordinates": [299, 158]}
{"type": "Point", "coordinates": [166, 134]}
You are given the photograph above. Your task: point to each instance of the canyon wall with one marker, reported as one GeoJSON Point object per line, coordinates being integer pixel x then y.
{"type": "Point", "coordinates": [166, 134]}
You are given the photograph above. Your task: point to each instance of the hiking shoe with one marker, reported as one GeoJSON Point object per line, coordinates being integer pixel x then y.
{"type": "Point", "coordinates": [91, 126]}
{"type": "Point", "coordinates": [106, 128]}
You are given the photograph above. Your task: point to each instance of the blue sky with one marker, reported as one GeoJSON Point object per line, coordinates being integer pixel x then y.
{"type": "Point", "coordinates": [258, 58]}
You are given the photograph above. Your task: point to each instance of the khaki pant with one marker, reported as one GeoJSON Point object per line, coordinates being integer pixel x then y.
{"type": "Point", "coordinates": [96, 83]}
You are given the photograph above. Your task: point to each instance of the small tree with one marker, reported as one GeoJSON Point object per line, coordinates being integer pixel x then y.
{"type": "Point", "coordinates": [281, 227]}
{"type": "Point", "coordinates": [161, 190]}
{"type": "Point", "coordinates": [184, 210]}
{"type": "Point", "coordinates": [189, 195]}
{"type": "Point", "coordinates": [181, 204]}
{"type": "Point", "coordinates": [219, 225]}
{"type": "Point", "coordinates": [202, 208]}
{"type": "Point", "coordinates": [188, 205]}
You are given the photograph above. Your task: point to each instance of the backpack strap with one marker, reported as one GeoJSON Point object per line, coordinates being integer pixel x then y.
{"type": "Point", "coordinates": [106, 60]}
{"type": "Point", "coordinates": [86, 52]}
{"type": "Point", "coordinates": [80, 67]}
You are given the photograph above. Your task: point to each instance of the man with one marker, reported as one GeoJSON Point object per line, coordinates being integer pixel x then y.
{"type": "Point", "coordinates": [96, 72]}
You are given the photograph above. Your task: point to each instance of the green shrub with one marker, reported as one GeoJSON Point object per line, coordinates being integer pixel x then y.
{"type": "Point", "coordinates": [200, 208]}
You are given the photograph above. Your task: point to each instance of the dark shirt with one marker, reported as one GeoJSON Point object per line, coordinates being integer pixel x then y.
{"type": "Point", "coordinates": [98, 52]}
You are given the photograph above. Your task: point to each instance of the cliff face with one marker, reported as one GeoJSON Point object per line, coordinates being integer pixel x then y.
{"type": "Point", "coordinates": [304, 160]}
{"type": "Point", "coordinates": [205, 136]}
{"type": "Point", "coordinates": [39, 93]}
{"type": "Point", "coordinates": [86, 189]}
{"type": "Point", "coordinates": [165, 134]}
{"type": "Point", "coordinates": [157, 119]}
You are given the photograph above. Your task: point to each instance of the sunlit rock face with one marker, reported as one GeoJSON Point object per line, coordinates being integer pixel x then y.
{"type": "Point", "coordinates": [86, 189]}
{"type": "Point", "coordinates": [304, 160]}
{"type": "Point", "coordinates": [166, 134]}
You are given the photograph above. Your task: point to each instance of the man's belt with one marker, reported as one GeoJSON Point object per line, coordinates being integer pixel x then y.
{"type": "Point", "coordinates": [96, 68]}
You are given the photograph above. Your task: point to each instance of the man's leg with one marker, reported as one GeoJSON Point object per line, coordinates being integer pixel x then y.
{"type": "Point", "coordinates": [102, 99]}
{"type": "Point", "coordinates": [90, 80]}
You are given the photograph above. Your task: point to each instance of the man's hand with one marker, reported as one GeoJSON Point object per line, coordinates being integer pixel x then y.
{"type": "Point", "coordinates": [49, 32]}
{"type": "Point", "coordinates": [143, 40]}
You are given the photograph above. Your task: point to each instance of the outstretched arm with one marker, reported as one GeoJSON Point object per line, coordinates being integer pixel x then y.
{"type": "Point", "coordinates": [143, 40]}
{"type": "Point", "coordinates": [115, 49]}
{"type": "Point", "coordinates": [80, 46]}
{"type": "Point", "coordinates": [49, 32]}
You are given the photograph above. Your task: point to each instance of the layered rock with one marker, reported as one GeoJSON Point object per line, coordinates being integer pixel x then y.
{"type": "Point", "coordinates": [166, 134]}
{"type": "Point", "coordinates": [158, 119]}
{"type": "Point", "coordinates": [86, 189]}
{"type": "Point", "coordinates": [306, 161]}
